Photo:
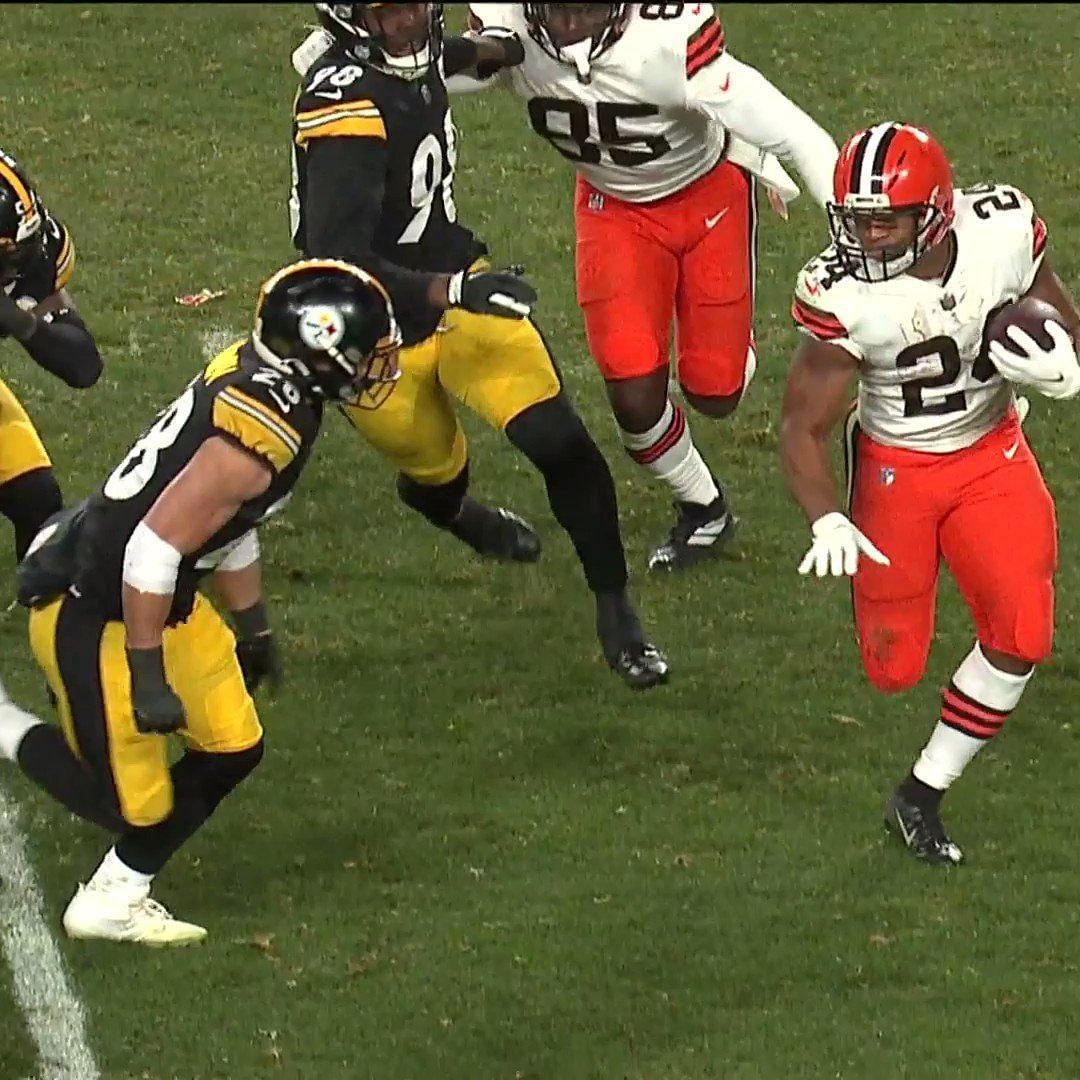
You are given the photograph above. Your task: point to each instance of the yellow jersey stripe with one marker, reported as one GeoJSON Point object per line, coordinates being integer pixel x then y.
{"type": "Point", "coordinates": [341, 106]}
{"type": "Point", "coordinates": [264, 411]}
{"type": "Point", "coordinates": [252, 433]}
{"type": "Point", "coordinates": [65, 262]}
{"type": "Point", "coordinates": [366, 114]}
{"type": "Point", "coordinates": [20, 189]}
{"type": "Point", "coordinates": [350, 126]}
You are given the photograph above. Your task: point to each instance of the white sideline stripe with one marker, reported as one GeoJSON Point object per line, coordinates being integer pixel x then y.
{"type": "Point", "coordinates": [215, 339]}
{"type": "Point", "coordinates": [53, 1012]}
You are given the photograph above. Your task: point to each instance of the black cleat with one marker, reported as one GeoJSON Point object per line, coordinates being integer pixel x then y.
{"type": "Point", "coordinates": [636, 661]}
{"type": "Point", "coordinates": [700, 532]}
{"type": "Point", "coordinates": [495, 533]}
{"type": "Point", "coordinates": [920, 830]}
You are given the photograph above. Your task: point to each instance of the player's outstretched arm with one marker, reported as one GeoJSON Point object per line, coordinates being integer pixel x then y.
{"type": "Point", "coordinates": [55, 336]}
{"type": "Point", "coordinates": [817, 396]}
{"type": "Point", "coordinates": [203, 498]}
{"type": "Point", "coordinates": [749, 106]}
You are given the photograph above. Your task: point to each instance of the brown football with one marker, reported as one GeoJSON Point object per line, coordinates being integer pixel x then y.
{"type": "Point", "coordinates": [1029, 313]}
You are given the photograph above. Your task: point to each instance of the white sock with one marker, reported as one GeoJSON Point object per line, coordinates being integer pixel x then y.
{"type": "Point", "coordinates": [668, 452]}
{"type": "Point", "coordinates": [114, 873]}
{"type": "Point", "coordinates": [14, 724]}
{"type": "Point", "coordinates": [974, 707]}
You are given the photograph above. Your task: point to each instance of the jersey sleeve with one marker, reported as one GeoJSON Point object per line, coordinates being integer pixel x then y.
{"type": "Point", "coordinates": [1031, 243]}
{"type": "Point", "coordinates": [746, 104]}
{"type": "Point", "coordinates": [246, 415]}
{"type": "Point", "coordinates": [816, 312]}
{"type": "Point", "coordinates": [332, 103]}
{"type": "Point", "coordinates": [61, 249]}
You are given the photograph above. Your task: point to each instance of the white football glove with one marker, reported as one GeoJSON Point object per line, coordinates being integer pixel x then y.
{"type": "Point", "coordinates": [1054, 372]}
{"type": "Point", "coordinates": [836, 547]}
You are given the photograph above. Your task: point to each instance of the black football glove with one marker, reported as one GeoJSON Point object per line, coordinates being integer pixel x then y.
{"type": "Point", "coordinates": [14, 320]}
{"type": "Point", "coordinates": [256, 650]}
{"type": "Point", "coordinates": [158, 711]}
{"type": "Point", "coordinates": [259, 661]}
{"type": "Point", "coordinates": [492, 292]}
{"type": "Point", "coordinates": [513, 52]}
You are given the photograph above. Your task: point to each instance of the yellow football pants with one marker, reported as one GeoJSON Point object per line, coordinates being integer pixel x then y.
{"type": "Point", "coordinates": [21, 448]}
{"type": "Point", "coordinates": [84, 661]}
{"type": "Point", "coordinates": [497, 367]}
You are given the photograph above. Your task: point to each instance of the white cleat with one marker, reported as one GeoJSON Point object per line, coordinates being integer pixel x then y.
{"type": "Point", "coordinates": [100, 913]}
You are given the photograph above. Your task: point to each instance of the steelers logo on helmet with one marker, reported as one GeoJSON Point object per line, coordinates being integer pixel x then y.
{"type": "Point", "coordinates": [330, 327]}
{"type": "Point", "coordinates": [321, 328]}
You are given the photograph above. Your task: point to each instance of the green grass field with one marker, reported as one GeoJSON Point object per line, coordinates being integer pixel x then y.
{"type": "Point", "coordinates": [471, 853]}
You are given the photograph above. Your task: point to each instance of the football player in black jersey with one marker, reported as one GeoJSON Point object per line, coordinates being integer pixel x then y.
{"type": "Point", "coordinates": [37, 258]}
{"type": "Point", "coordinates": [131, 648]}
{"type": "Point", "coordinates": [374, 149]}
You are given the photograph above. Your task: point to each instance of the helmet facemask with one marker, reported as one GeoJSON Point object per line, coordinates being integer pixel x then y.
{"type": "Point", "coordinates": [579, 54]}
{"type": "Point", "coordinates": [847, 222]}
{"type": "Point", "coordinates": [361, 28]}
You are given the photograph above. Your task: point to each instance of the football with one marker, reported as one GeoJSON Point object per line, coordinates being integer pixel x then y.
{"type": "Point", "coordinates": [1029, 313]}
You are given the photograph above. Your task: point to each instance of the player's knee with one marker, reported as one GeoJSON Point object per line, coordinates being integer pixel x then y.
{"type": "Point", "coordinates": [551, 434]}
{"type": "Point", "coordinates": [717, 406]}
{"type": "Point", "coordinates": [891, 663]}
{"type": "Point", "coordinates": [639, 403]}
{"type": "Point", "coordinates": [439, 503]}
{"type": "Point", "coordinates": [223, 773]}
{"type": "Point", "coordinates": [146, 807]}
{"type": "Point", "coordinates": [27, 501]}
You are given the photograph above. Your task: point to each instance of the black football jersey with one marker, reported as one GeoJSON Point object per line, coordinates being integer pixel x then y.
{"type": "Point", "coordinates": [410, 122]}
{"type": "Point", "coordinates": [236, 396]}
{"type": "Point", "coordinates": [49, 266]}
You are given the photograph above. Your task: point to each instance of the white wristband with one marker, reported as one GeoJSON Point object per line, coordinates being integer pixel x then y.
{"type": "Point", "coordinates": [150, 563]}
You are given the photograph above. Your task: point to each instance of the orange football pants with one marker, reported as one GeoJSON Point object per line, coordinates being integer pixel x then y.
{"type": "Point", "coordinates": [986, 511]}
{"type": "Point", "coordinates": [687, 258]}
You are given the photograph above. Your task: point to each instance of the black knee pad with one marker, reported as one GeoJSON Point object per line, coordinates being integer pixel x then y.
{"type": "Point", "coordinates": [27, 501]}
{"type": "Point", "coordinates": [439, 503]}
{"type": "Point", "coordinates": [550, 433]}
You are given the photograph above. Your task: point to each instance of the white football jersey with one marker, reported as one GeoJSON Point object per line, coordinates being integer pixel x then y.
{"type": "Point", "coordinates": [656, 108]}
{"type": "Point", "coordinates": [925, 381]}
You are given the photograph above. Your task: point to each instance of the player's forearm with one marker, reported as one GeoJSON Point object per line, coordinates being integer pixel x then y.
{"type": "Point", "coordinates": [63, 346]}
{"type": "Point", "coordinates": [756, 111]}
{"type": "Point", "coordinates": [145, 614]}
{"type": "Point", "coordinates": [1049, 287]}
{"type": "Point", "coordinates": [805, 461]}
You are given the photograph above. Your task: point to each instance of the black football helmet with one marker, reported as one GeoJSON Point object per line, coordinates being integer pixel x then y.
{"type": "Point", "coordinates": [607, 32]}
{"type": "Point", "coordinates": [345, 22]}
{"type": "Point", "coordinates": [330, 327]}
{"type": "Point", "coordinates": [20, 218]}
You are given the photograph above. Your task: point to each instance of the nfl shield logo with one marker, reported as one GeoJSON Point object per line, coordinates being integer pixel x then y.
{"type": "Point", "coordinates": [888, 475]}
{"type": "Point", "coordinates": [596, 201]}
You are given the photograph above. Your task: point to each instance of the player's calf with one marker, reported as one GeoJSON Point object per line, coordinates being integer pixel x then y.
{"type": "Point", "coordinates": [492, 532]}
{"type": "Point", "coordinates": [704, 524]}
{"type": "Point", "coordinates": [974, 708]}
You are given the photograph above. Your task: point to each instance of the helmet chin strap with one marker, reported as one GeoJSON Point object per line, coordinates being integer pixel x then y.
{"type": "Point", "coordinates": [413, 66]}
{"type": "Point", "coordinates": [578, 54]}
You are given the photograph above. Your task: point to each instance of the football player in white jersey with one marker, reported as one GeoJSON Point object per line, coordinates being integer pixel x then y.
{"type": "Point", "coordinates": [666, 131]}
{"type": "Point", "coordinates": [938, 467]}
